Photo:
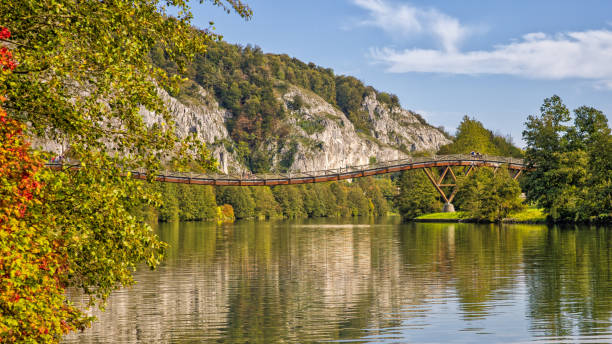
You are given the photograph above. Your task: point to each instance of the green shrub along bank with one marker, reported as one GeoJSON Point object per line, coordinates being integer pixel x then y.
{"type": "Point", "coordinates": [363, 197]}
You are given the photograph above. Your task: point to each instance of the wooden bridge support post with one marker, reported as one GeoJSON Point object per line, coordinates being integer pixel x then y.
{"type": "Point", "coordinates": [448, 206]}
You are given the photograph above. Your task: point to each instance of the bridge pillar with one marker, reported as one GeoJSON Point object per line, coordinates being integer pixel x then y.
{"type": "Point", "coordinates": [448, 208]}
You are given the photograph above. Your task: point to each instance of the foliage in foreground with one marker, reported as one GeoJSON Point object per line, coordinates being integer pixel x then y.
{"type": "Point", "coordinates": [32, 267]}
{"type": "Point", "coordinates": [78, 74]}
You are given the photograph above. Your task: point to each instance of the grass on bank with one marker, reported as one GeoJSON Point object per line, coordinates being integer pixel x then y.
{"type": "Point", "coordinates": [458, 215]}
{"type": "Point", "coordinates": [531, 215]}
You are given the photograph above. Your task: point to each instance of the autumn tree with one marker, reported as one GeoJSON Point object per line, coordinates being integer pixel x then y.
{"type": "Point", "coordinates": [81, 75]}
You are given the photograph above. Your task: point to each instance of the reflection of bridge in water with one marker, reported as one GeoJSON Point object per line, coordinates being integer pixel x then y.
{"type": "Point", "coordinates": [445, 178]}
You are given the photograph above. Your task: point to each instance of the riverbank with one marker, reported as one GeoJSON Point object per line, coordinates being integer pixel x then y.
{"type": "Point", "coordinates": [529, 215]}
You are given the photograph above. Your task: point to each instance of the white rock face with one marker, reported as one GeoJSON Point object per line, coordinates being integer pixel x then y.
{"type": "Point", "coordinates": [337, 144]}
{"type": "Point", "coordinates": [401, 128]}
{"type": "Point", "coordinates": [321, 136]}
{"type": "Point", "coordinates": [206, 119]}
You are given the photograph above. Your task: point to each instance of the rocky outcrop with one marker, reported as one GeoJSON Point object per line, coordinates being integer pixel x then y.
{"type": "Point", "coordinates": [402, 128]}
{"type": "Point", "coordinates": [326, 139]}
{"type": "Point", "coordinates": [321, 136]}
{"type": "Point", "coordinates": [202, 116]}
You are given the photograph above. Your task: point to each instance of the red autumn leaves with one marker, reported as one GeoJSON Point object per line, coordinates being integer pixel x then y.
{"type": "Point", "coordinates": [6, 57]}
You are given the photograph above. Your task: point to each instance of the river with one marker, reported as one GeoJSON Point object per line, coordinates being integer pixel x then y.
{"type": "Point", "coordinates": [367, 281]}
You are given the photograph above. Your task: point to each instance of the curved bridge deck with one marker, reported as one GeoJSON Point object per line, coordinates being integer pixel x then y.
{"type": "Point", "coordinates": [291, 178]}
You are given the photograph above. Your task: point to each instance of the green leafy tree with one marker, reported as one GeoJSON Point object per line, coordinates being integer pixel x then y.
{"type": "Point", "coordinates": [326, 200]}
{"type": "Point", "coordinates": [239, 198]}
{"type": "Point", "coordinates": [417, 196]}
{"type": "Point", "coordinates": [358, 204]}
{"type": "Point", "coordinates": [340, 191]}
{"type": "Point", "coordinates": [373, 189]}
{"type": "Point", "coordinates": [290, 200]}
{"type": "Point", "coordinates": [265, 203]}
{"type": "Point", "coordinates": [196, 202]}
{"type": "Point", "coordinates": [168, 210]}
{"type": "Point", "coordinates": [489, 196]}
{"type": "Point", "coordinates": [472, 136]}
{"type": "Point", "coordinates": [571, 177]}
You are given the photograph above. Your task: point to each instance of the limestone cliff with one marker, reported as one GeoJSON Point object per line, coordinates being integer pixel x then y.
{"type": "Point", "coordinates": [321, 136]}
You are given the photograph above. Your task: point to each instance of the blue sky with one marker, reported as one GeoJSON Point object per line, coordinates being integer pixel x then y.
{"type": "Point", "coordinates": [490, 59]}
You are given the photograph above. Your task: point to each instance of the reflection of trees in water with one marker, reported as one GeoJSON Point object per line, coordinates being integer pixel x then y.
{"type": "Point", "coordinates": [318, 284]}
{"type": "Point", "coordinates": [479, 264]}
{"type": "Point", "coordinates": [265, 282]}
{"type": "Point", "coordinates": [570, 282]}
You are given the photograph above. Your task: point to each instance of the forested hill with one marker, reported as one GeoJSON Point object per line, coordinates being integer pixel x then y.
{"type": "Point", "coordinates": [265, 112]}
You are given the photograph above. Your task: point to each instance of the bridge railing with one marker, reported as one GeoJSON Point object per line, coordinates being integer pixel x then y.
{"type": "Point", "coordinates": [331, 172]}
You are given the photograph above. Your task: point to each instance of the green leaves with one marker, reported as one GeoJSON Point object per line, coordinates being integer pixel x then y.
{"type": "Point", "coordinates": [417, 196]}
{"type": "Point", "coordinates": [489, 196]}
{"type": "Point", "coordinates": [472, 136]}
{"type": "Point", "coordinates": [572, 179]}
{"type": "Point", "coordinates": [82, 76]}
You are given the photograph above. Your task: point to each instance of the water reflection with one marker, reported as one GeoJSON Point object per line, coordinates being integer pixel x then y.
{"type": "Point", "coordinates": [322, 281]}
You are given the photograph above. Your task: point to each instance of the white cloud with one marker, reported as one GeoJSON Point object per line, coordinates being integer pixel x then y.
{"type": "Point", "coordinates": [584, 55]}
{"type": "Point", "coordinates": [407, 21]}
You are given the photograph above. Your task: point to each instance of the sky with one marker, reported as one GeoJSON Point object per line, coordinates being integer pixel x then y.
{"type": "Point", "coordinates": [492, 60]}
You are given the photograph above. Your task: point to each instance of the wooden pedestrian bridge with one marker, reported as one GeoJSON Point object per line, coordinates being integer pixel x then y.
{"type": "Point", "coordinates": [445, 177]}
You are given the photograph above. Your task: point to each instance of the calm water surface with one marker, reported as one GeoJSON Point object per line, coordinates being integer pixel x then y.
{"type": "Point", "coordinates": [370, 282]}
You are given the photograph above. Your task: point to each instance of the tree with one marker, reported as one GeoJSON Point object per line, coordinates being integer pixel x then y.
{"type": "Point", "coordinates": [572, 175]}
{"type": "Point", "coordinates": [340, 192]}
{"type": "Point", "coordinates": [239, 198]}
{"type": "Point", "coordinates": [358, 204]}
{"type": "Point", "coordinates": [594, 135]}
{"type": "Point", "coordinates": [472, 136]}
{"type": "Point", "coordinates": [33, 306]}
{"type": "Point", "coordinates": [290, 201]}
{"type": "Point", "coordinates": [489, 196]}
{"type": "Point", "coordinates": [417, 196]}
{"type": "Point", "coordinates": [265, 204]}
{"type": "Point", "coordinates": [373, 189]}
{"type": "Point", "coordinates": [196, 202]}
{"type": "Point", "coordinates": [168, 211]}
{"type": "Point", "coordinates": [81, 76]}
{"type": "Point", "coordinates": [326, 201]}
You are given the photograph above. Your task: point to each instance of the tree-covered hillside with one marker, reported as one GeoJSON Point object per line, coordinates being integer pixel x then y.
{"type": "Point", "coordinates": [249, 84]}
